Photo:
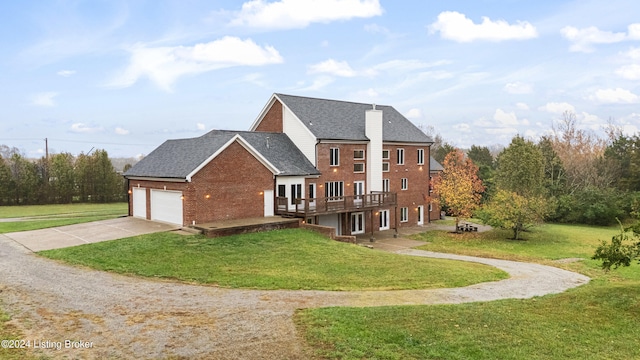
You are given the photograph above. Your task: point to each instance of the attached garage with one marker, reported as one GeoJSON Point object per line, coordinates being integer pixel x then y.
{"type": "Point", "coordinates": [139, 202]}
{"type": "Point", "coordinates": [166, 206]}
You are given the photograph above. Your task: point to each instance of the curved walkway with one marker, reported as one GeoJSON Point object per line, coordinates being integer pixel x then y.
{"type": "Point", "coordinates": [127, 317]}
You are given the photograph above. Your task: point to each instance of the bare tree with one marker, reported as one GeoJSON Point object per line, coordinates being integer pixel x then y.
{"type": "Point", "coordinates": [582, 154]}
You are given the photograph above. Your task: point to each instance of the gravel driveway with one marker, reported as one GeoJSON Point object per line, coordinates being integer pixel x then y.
{"type": "Point", "coordinates": [127, 317]}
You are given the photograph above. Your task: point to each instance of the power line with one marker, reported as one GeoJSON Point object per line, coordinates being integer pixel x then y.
{"type": "Point", "coordinates": [74, 141]}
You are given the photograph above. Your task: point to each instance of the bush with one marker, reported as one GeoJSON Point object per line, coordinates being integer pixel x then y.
{"type": "Point", "coordinates": [592, 206]}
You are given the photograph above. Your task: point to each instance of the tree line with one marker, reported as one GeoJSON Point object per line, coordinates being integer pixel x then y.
{"type": "Point", "coordinates": [59, 178]}
{"type": "Point", "coordinates": [569, 176]}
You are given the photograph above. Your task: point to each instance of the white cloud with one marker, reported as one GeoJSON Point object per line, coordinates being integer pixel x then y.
{"type": "Point", "coordinates": [365, 95]}
{"type": "Point", "coordinates": [502, 131]}
{"type": "Point", "coordinates": [463, 127]}
{"type": "Point", "coordinates": [522, 106]}
{"type": "Point", "coordinates": [295, 14]}
{"type": "Point", "coordinates": [66, 73]}
{"type": "Point", "coordinates": [44, 99]}
{"type": "Point", "coordinates": [200, 126]}
{"type": "Point", "coordinates": [615, 96]}
{"type": "Point", "coordinates": [332, 67]}
{"type": "Point", "coordinates": [455, 26]}
{"type": "Point", "coordinates": [376, 29]}
{"type": "Point", "coordinates": [589, 119]}
{"type": "Point", "coordinates": [557, 108]}
{"type": "Point", "coordinates": [504, 118]}
{"type": "Point", "coordinates": [629, 72]}
{"type": "Point", "coordinates": [404, 65]}
{"type": "Point", "coordinates": [413, 114]}
{"type": "Point", "coordinates": [518, 88]}
{"type": "Point", "coordinates": [583, 39]}
{"type": "Point", "coordinates": [318, 83]}
{"type": "Point", "coordinates": [85, 129]}
{"type": "Point", "coordinates": [119, 131]}
{"type": "Point", "coordinates": [164, 65]}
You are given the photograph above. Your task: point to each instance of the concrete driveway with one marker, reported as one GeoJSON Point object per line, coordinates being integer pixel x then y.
{"type": "Point", "coordinates": [91, 232]}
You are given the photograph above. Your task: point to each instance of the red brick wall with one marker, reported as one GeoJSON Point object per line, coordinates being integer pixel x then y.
{"type": "Point", "coordinates": [234, 181]}
{"type": "Point", "coordinates": [272, 121]}
{"type": "Point", "coordinates": [417, 178]}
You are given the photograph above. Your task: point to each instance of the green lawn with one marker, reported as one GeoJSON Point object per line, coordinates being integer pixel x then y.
{"type": "Point", "coordinates": [548, 242]}
{"type": "Point", "coordinates": [284, 259]}
{"type": "Point", "coordinates": [34, 217]}
{"type": "Point", "coordinates": [595, 321]}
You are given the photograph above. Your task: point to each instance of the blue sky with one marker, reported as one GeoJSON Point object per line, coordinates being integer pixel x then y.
{"type": "Point", "coordinates": [126, 75]}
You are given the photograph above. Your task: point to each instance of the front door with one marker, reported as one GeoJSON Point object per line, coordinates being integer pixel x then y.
{"type": "Point", "coordinates": [420, 214]}
{"type": "Point", "coordinates": [357, 223]}
{"type": "Point", "coordinates": [384, 219]}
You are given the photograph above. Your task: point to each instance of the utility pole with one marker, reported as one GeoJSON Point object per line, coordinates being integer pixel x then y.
{"type": "Point", "coordinates": [46, 149]}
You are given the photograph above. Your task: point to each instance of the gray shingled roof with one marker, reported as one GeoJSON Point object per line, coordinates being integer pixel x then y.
{"type": "Point", "coordinates": [434, 165]}
{"type": "Point", "coordinates": [178, 158]}
{"type": "Point", "coordinates": [343, 120]}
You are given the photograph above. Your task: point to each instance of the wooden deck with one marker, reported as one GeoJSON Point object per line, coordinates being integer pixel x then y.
{"type": "Point", "coordinates": [333, 205]}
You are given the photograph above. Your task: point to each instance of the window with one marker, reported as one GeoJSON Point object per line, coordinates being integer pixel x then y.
{"type": "Point", "coordinates": [282, 190]}
{"type": "Point", "coordinates": [296, 193]}
{"type": "Point", "coordinates": [420, 156]}
{"type": "Point", "coordinates": [358, 167]}
{"type": "Point", "coordinates": [385, 185]}
{"type": "Point", "coordinates": [404, 214]}
{"type": "Point", "coordinates": [430, 184]}
{"type": "Point", "coordinates": [403, 184]}
{"type": "Point", "coordinates": [358, 154]}
{"type": "Point", "coordinates": [430, 207]}
{"type": "Point", "coordinates": [385, 166]}
{"type": "Point", "coordinates": [400, 153]}
{"type": "Point", "coordinates": [385, 154]}
{"type": "Point", "coordinates": [334, 190]}
{"type": "Point", "coordinates": [312, 191]}
{"type": "Point", "coordinates": [334, 157]}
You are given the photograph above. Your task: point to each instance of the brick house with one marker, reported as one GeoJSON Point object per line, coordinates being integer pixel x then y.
{"type": "Point", "coordinates": [356, 167]}
{"type": "Point", "coordinates": [222, 175]}
{"type": "Point", "coordinates": [374, 163]}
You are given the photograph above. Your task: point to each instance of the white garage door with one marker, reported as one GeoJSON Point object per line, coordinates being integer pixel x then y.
{"type": "Point", "coordinates": [139, 202]}
{"type": "Point", "coordinates": [166, 206]}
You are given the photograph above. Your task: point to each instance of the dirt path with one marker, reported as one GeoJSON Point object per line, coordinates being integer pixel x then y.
{"type": "Point", "coordinates": [125, 317]}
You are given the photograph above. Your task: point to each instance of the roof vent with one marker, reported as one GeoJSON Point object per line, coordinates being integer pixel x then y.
{"type": "Point", "coordinates": [267, 142]}
{"type": "Point", "coordinates": [374, 106]}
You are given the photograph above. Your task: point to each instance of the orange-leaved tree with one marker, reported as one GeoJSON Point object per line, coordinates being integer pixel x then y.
{"type": "Point", "coordinates": [458, 187]}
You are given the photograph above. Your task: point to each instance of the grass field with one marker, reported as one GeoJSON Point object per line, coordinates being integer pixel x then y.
{"type": "Point", "coordinates": [595, 321]}
{"type": "Point", "coordinates": [284, 259]}
{"type": "Point", "coordinates": [32, 217]}
{"type": "Point", "coordinates": [8, 332]}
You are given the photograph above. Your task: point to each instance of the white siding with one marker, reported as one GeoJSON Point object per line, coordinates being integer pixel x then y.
{"type": "Point", "coordinates": [287, 181]}
{"type": "Point", "coordinates": [299, 134]}
{"type": "Point", "coordinates": [373, 130]}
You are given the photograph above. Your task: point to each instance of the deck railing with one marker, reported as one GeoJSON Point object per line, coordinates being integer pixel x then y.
{"type": "Point", "coordinates": [336, 204]}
